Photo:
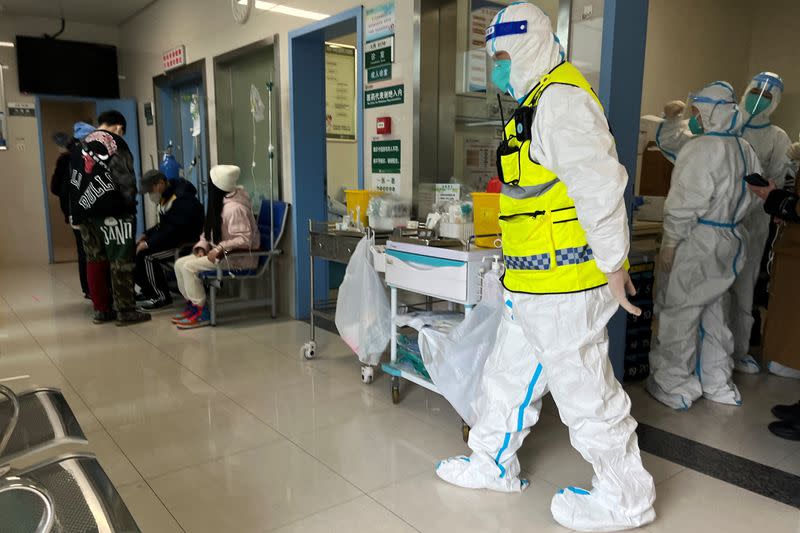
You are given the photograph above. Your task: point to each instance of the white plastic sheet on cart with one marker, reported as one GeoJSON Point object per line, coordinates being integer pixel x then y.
{"type": "Point", "coordinates": [455, 360]}
{"type": "Point", "coordinates": [440, 321]}
{"type": "Point", "coordinates": [363, 315]}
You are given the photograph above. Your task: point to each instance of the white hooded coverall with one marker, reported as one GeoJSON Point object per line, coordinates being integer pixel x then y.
{"type": "Point", "coordinates": [707, 201]}
{"type": "Point", "coordinates": [558, 342]}
{"type": "Point", "coordinates": [771, 144]}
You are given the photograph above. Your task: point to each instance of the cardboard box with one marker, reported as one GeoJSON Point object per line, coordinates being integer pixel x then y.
{"type": "Point", "coordinates": [781, 331]}
{"type": "Point", "coordinates": [656, 172]}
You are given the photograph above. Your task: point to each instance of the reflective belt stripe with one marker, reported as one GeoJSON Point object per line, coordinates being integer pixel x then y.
{"type": "Point", "coordinates": [564, 257]}
{"type": "Point", "coordinates": [574, 256]}
{"type": "Point", "coordinates": [530, 262]}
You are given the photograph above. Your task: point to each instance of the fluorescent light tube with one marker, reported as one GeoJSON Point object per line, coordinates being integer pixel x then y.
{"type": "Point", "coordinates": [286, 10]}
{"type": "Point", "coordinates": [301, 13]}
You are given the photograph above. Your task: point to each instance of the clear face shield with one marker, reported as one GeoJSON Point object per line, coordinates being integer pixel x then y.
{"type": "Point", "coordinates": [500, 62]}
{"type": "Point", "coordinates": [762, 92]}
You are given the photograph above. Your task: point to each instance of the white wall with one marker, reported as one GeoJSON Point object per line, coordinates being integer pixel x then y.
{"type": "Point", "coordinates": [691, 43]}
{"type": "Point", "coordinates": [22, 206]}
{"type": "Point", "coordinates": [402, 115]}
{"type": "Point", "coordinates": [207, 29]}
{"type": "Point", "coordinates": [775, 48]}
{"type": "Point", "coordinates": [586, 39]}
{"type": "Point", "coordinates": [342, 166]}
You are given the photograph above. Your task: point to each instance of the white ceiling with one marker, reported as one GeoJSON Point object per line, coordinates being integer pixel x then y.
{"type": "Point", "coordinates": [101, 12]}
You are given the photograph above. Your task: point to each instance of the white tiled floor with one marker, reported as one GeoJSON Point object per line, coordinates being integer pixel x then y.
{"type": "Point", "coordinates": [740, 430]}
{"type": "Point", "coordinates": [229, 429]}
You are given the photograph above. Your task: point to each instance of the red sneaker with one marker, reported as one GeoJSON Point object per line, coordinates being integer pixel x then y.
{"type": "Point", "coordinates": [202, 317]}
{"type": "Point", "coordinates": [187, 312]}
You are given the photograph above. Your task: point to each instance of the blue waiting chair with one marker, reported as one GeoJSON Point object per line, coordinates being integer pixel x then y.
{"type": "Point", "coordinates": [272, 221]}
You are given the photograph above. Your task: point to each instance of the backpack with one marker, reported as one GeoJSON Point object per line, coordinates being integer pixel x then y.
{"type": "Point", "coordinates": [92, 190]}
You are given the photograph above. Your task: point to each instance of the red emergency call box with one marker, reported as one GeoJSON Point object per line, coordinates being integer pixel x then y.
{"type": "Point", "coordinates": [384, 125]}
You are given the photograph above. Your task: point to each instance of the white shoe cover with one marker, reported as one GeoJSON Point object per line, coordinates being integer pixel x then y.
{"type": "Point", "coordinates": [462, 472]}
{"type": "Point", "coordinates": [581, 510]}
{"type": "Point", "coordinates": [676, 401]}
{"type": "Point", "coordinates": [729, 396]}
{"type": "Point", "coordinates": [746, 365]}
{"type": "Point", "coordinates": [783, 371]}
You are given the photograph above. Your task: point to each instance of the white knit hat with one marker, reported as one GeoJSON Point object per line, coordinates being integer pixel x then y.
{"type": "Point", "coordinates": [225, 177]}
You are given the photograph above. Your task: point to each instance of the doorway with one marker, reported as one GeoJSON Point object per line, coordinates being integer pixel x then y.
{"type": "Point", "coordinates": [57, 114]}
{"type": "Point", "coordinates": [58, 117]}
{"type": "Point", "coordinates": [182, 124]}
{"type": "Point", "coordinates": [307, 105]}
{"type": "Point", "coordinates": [248, 115]}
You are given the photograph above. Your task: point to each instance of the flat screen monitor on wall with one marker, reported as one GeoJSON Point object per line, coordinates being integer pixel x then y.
{"type": "Point", "coordinates": [67, 68]}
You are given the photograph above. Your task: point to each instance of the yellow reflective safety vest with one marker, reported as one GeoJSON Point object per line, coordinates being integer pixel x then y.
{"type": "Point", "coordinates": [544, 245]}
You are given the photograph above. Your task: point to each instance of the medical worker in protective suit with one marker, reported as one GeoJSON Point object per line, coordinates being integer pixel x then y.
{"type": "Point", "coordinates": [565, 244]}
{"type": "Point", "coordinates": [771, 143]}
{"type": "Point", "coordinates": [703, 250]}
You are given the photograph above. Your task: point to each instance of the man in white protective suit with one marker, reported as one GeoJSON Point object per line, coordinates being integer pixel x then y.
{"type": "Point", "coordinates": [703, 250]}
{"type": "Point", "coordinates": [771, 143]}
{"type": "Point", "coordinates": [565, 244]}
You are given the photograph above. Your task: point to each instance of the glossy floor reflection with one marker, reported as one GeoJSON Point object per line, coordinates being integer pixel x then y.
{"type": "Point", "coordinates": [229, 429]}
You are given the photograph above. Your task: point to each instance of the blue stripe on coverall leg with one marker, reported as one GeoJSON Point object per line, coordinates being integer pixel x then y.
{"type": "Point", "coordinates": [520, 418]}
{"type": "Point", "coordinates": [698, 365]}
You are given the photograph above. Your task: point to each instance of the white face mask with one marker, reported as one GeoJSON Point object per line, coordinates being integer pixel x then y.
{"type": "Point", "coordinates": [155, 197]}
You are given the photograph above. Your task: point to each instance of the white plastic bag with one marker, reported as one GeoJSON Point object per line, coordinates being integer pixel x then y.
{"type": "Point", "coordinates": [455, 360]}
{"type": "Point", "coordinates": [363, 316]}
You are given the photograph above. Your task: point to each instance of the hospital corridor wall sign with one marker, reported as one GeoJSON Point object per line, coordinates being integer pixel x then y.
{"type": "Point", "coordinates": [380, 52]}
{"type": "Point", "coordinates": [340, 93]}
{"type": "Point", "coordinates": [381, 73]}
{"type": "Point", "coordinates": [379, 21]}
{"type": "Point", "coordinates": [384, 96]}
{"type": "Point", "coordinates": [386, 157]}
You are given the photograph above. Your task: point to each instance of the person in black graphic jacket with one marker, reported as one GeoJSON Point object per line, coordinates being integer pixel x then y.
{"type": "Point", "coordinates": [102, 194]}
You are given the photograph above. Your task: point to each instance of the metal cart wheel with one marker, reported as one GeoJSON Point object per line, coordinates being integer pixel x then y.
{"type": "Point", "coordinates": [309, 350]}
{"type": "Point", "coordinates": [395, 390]}
{"type": "Point", "coordinates": [367, 374]}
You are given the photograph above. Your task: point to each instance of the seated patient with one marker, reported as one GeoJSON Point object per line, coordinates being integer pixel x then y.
{"type": "Point", "coordinates": [180, 219]}
{"type": "Point", "coordinates": [229, 226]}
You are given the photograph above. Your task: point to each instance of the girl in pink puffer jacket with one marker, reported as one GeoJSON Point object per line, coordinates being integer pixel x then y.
{"type": "Point", "coordinates": [230, 226]}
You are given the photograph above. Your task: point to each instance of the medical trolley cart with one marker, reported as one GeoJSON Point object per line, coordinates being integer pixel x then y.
{"type": "Point", "coordinates": [448, 274]}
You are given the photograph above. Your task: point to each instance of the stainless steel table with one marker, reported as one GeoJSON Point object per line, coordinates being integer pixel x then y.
{"type": "Point", "coordinates": [325, 242]}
